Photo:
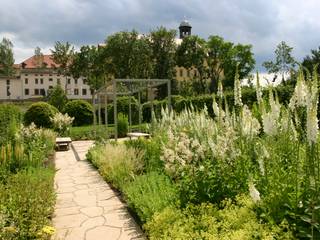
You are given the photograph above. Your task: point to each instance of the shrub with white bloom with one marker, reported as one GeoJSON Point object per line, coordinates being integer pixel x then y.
{"type": "Point", "coordinates": [254, 193]}
{"type": "Point", "coordinates": [270, 120]}
{"type": "Point", "coordinates": [61, 123]}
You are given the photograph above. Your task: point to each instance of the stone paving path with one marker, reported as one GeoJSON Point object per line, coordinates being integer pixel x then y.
{"type": "Point", "coordinates": [87, 208]}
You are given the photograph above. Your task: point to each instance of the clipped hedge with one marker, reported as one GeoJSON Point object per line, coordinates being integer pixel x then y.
{"type": "Point", "coordinates": [81, 110]}
{"type": "Point", "coordinates": [40, 113]}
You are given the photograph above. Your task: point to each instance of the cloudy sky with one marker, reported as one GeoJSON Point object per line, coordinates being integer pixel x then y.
{"type": "Point", "coordinates": [262, 23]}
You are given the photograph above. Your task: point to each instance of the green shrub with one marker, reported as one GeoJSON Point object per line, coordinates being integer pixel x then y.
{"type": "Point", "coordinates": [81, 110]}
{"type": "Point", "coordinates": [122, 125]}
{"type": "Point", "coordinates": [151, 150]}
{"type": "Point", "coordinates": [40, 113]}
{"type": "Point", "coordinates": [116, 163]}
{"type": "Point", "coordinates": [26, 203]}
{"type": "Point", "coordinates": [150, 193]}
{"type": "Point", "coordinates": [234, 222]}
{"type": "Point", "coordinates": [10, 119]}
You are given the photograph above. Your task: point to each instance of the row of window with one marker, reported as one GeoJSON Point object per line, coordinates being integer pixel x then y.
{"type": "Point", "coordinates": [36, 81]}
{"type": "Point", "coordinates": [42, 91]}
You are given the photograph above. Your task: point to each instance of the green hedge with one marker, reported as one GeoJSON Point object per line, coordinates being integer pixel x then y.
{"type": "Point", "coordinates": [81, 110]}
{"type": "Point", "coordinates": [40, 113]}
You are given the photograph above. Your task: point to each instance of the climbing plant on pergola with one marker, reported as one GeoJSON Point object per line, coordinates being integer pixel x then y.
{"type": "Point", "coordinates": [127, 87]}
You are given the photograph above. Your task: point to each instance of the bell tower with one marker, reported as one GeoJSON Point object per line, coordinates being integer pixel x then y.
{"type": "Point", "coordinates": [185, 29]}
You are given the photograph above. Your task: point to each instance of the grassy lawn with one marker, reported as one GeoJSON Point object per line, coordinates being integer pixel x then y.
{"type": "Point", "coordinates": [87, 132]}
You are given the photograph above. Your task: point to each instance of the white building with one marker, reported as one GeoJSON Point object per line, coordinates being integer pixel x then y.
{"type": "Point", "coordinates": [31, 81]}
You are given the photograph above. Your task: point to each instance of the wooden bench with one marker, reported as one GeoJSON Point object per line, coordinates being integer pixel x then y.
{"type": "Point", "coordinates": [138, 135]}
{"type": "Point", "coordinates": [63, 143]}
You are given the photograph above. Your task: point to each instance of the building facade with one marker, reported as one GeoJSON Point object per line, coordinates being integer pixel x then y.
{"type": "Point", "coordinates": [33, 81]}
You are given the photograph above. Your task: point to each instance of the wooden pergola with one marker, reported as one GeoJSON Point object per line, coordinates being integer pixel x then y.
{"type": "Point", "coordinates": [127, 87]}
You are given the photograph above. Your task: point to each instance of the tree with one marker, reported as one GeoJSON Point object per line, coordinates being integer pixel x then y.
{"type": "Point", "coordinates": [57, 97]}
{"type": "Point", "coordinates": [90, 63]}
{"type": "Point", "coordinates": [283, 63]}
{"type": "Point", "coordinates": [192, 53]}
{"type": "Point", "coordinates": [6, 57]}
{"type": "Point", "coordinates": [223, 58]}
{"type": "Point", "coordinates": [38, 58]}
{"type": "Point", "coordinates": [162, 42]}
{"type": "Point", "coordinates": [63, 54]}
{"type": "Point", "coordinates": [129, 54]}
{"type": "Point", "coordinates": [311, 60]}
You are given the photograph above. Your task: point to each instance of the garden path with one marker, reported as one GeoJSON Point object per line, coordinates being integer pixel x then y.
{"type": "Point", "coordinates": [87, 208]}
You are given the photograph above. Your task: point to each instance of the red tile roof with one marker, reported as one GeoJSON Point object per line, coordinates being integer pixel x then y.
{"type": "Point", "coordinates": [32, 63]}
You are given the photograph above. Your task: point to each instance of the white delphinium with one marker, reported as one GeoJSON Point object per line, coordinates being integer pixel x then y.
{"type": "Point", "coordinates": [270, 120]}
{"type": "Point", "coordinates": [300, 95]}
{"type": "Point", "coordinates": [312, 125]}
{"type": "Point", "coordinates": [258, 90]}
{"type": "Point", "coordinates": [237, 90]}
{"type": "Point", "coordinates": [254, 193]}
{"type": "Point", "coordinates": [250, 125]}
{"type": "Point", "coordinates": [220, 90]}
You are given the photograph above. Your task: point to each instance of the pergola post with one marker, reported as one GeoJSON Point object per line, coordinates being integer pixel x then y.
{"type": "Point", "coordinates": [115, 110]}
{"type": "Point", "coordinates": [139, 106]}
{"type": "Point", "coordinates": [130, 118]}
{"type": "Point", "coordinates": [106, 112]}
{"type": "Point", "coordinates": [169, 95]}
{"type": "Point", "coordinates": [99, 109]}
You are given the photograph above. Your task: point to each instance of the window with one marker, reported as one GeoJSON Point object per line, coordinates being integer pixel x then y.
{"type": "Point", "coordinates": [8, 82]}
{"type": "Point", "coordinates": [76, 81]}
{"type": "Point", "coordinates": [41, 80]}
{"type": "Point", "coordinates": [8, 91]}
{"type": "Point", "coordinates": [41, 74]}
{"type": "Point", "coordinates": [26, 74]}
{"type": "Point", "coordinates": [84, 81]}
{"type": "Point", "coordinates": [91, 91]}
{"type": "Point", "coordinates": [36, 74]}
{"type": "Point", "coordinates": [36, 81]}
{"type": "Point", "coordinates": [50, 87]}
{"type": "Point", "coordinates": [84, 91]}
{"type": "Point", "coordinates": [26, 91]}
{"type": "Point", "coordinates": [50, 79]}
{"type": "Point", "coordinates": [181, 72]}
{"type": "Point", "coordinates": [42, 92]}
{"type": "Point", "coordinates": [50, 74]}
{"type": "Point", "coordinates": [26, 81]}
{"type": "Point", "coordinates": [76, 91]}
{"type": "Point", "coordinates": [36, 92]}
{"type": "Point", "coordinates": [69, 81]}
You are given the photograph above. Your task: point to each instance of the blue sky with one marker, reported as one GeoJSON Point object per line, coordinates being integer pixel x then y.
{"type": "Point", "coordinates": [260, 23]}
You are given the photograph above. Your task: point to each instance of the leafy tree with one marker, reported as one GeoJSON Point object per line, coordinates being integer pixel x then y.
{"type": "Point", "coordinates": [162, 42]}
{"type": "Point", "coordinates": [223, 58]}
{"type": "Point", "coordinates": [129, 54]}
{"type": "Point", "coordinates": [63, 54]}
{"type": "Point", "coordinates": [311, 60]}
{"type": "Point", "coordinates": [192, 53]}
{"type": "Point", "coordinates": [38, 58]}
{"type": "Point", "coordinates": [6, 57]}
{"type": "Point", "coordinates": [90, 63]}
{"type": "Point", "coordinates": [283, 63]}
{"type": "Point", "coordinates": [57, 97]}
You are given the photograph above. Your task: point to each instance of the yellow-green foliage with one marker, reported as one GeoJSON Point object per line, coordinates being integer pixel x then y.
{"type": "Point", "coordinates": [116, 163]}
{"type": "Point", "coordinates": [236, 221]}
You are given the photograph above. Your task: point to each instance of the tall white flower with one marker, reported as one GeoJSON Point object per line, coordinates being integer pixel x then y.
{"type": "Point", "coordinates": [250, 125]}
{"type": "Point", "coordinates": [258, 90]}
{"type": "Point", "coordinates": [312, 125]}
{"type": "Point", "coordinates": [301, 92]}
{"type": "Point", "coordinates": [237, 90]}
{"type": "Point", "coordinates": [270, 120]}
{"type": "Point", "coordinates": [254, 193]}
{"type": "Point", "coordinates": [220, 89]}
